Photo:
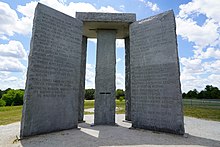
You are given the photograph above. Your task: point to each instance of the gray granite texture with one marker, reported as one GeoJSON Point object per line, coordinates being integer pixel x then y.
{"type": "Point", "coordinates": [111, 17]}
{"type": "Point", "coordinates": [156, 98]}
{"type": "Point", "coordinates": [93, 21]}
{"type": "Point", "coordinates": [82, 79]}
{"type": "Point", "coordinates": [53, 76]}
{"type": "Point", "coordinates": [127, 81]}
{"type": "Point", "coordinates": [105, 78]}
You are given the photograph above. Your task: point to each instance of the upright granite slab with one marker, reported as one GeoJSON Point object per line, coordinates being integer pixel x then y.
{"type": "Point", "coordinates": [127, 80]}
{"type": "Point", "coordinates": [53, 77]}
{"type": "Point", "coordinates": [105, 78]}
{"type": "Point", "coordinates": [82, 80]}
{"type": "Point", "coordinates": [155, 79]}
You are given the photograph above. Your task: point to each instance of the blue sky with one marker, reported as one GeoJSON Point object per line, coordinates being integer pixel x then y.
{"type": "Point", "coordinates": [198, 30]}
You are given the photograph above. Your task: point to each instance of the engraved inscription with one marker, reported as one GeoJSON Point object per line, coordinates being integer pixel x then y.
{"type": "Point", "coordinates": [155, 84]}
{"type": "Point", "coordinates": [53, 77]}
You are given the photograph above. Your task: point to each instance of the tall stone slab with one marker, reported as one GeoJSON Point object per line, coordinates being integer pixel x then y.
{"type": "Point", "coordinates": [53, 77]}
{"type": "Point", "coordinates": [105, 78]}
{"type": "Point", "coordinates": [155, 78]}
{"type": "Point", "coordinates": [82, 80]}
{"type": "Point", "coordinates": [127, 80]}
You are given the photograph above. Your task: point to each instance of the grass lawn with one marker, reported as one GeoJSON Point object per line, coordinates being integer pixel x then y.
{"type": "Point", "coordinates": [202, 112]}
{"type": "Point", "coordinates": [12, 114]}
{"type": "Point", "coordinates": [89, 104]}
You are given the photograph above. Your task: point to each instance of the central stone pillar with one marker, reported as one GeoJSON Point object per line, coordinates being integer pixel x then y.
{"type": "Point", "coordinates": [105, 78]}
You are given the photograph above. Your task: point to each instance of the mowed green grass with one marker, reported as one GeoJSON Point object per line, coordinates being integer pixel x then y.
{"type": "Point", "coordinates": [202, 112]}
{"type": "Point", "coordinates": [12, 114]}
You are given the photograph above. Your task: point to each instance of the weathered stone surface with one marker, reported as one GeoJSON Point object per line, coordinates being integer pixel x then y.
{"type": "Point", "coordinates": [118, 21]}
{"type": "Point", "coordinates": [55, 83]}
{"type": "Point", "coordinates": [127, 81]}
{"type": "Point", "coordinates": [53, 77]}
{"type": "Point", "coordinates": [105, 78]}
{"type": "Point", "coordinates": [112, 17]}
{"type": "Point", "coordinates": [82, 79]}
{"type": "Point", "coordinates": [155, 79]}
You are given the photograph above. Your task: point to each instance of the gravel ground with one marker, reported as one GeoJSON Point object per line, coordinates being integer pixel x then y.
{"type": "Point", "coordinates": [199, 133]}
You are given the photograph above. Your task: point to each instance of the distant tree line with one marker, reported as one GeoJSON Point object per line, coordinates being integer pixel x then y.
{"type": "Point", "coordinates": [11, 97]}
{"type": "Point", "coordinates": [210, 92]}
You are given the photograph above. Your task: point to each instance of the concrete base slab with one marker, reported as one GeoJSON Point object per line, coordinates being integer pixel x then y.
{"type": "Point", "coordinates": [200, 133]}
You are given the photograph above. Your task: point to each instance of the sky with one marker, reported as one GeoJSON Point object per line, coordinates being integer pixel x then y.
{"type": "Point", "coordinates": [198, 35]}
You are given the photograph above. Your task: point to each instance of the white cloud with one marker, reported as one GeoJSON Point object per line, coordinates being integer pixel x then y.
{"type": "Point", "coordinates": [120, 81]}
{"type": "Point", "coordinates": [120, 43]}
{"type": "Point", "coordinates": [28, 9]}
{"type": "Point", "coordinates": [62, 1]}
{"type": "Point", "coordinates": [152, 6]}
{"type": "Point", "coordinates": [209, 53]}
{"type": "Point", "coordinates": [199, 82]}
{"type": "Point", "coordinates": [108, 9]}
{"type": "Point", "coordinates": [12, 24]}
{"type": "Point", "coordinates": [118, 60]}
{"type": "Point", "coordinates": [210, 8]}
{"type": "Point", "coordinates": [191, 65]}
{"type": "Point", "coordinates": [11, 57]}
{"type": "Point", "coordinates": [13, 49]}
{"type": "Point", "coordinates": [203, 35]}
{"type": "Point", "coordinates": [90, 76]}
{"type": "Point", "coordinates": [203, 67]}
{"type": "Point", "coordinates": [8, 18]}
{"type": "Point", "coordinates": [8, 80]}
{"type": "Point", "coordinates": [212, 67]}
{"type": "Point", "coordinates": [122, 7]}
{"type": "Point", "coordinates": [93, 40]}
{"type": "Point", "coordinates": [11, 64]}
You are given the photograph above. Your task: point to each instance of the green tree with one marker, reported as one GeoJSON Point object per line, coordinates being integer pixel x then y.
{"type": "Point", "coordinates": [192, 94]}
{"type": "Point", "coordinates": [2, 103]}
{"type": "Point", "coordinates": [184, 95]}
{"type": "Point", "coordinates": [211, 92]}
{"type": "Point", "coordinates": [90, 94]}
{"type": "Point", "coordinates": [18, 97]}
{"type": "Point", "coordinates": [1, 93]}
{"type": "Point", "coordinates": [13, 97]}
{"type": "Point", "coordinates": [120, 93]}
{"type": "Point", "coordinates": [215, 93]}
{"type": "Point", "coordinates": [202, 95]}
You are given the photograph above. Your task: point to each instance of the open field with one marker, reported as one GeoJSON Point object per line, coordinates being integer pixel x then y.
{"type": "Point", "coordinates": [206, 103]}
{"type": "Point", "coordinates": [10, 114]}
{"type": "Point", "coordinates": [205, 109]}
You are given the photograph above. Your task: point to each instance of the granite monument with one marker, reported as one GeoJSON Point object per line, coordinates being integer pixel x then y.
{"type": "Point", "coordinates": [55, 85]}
